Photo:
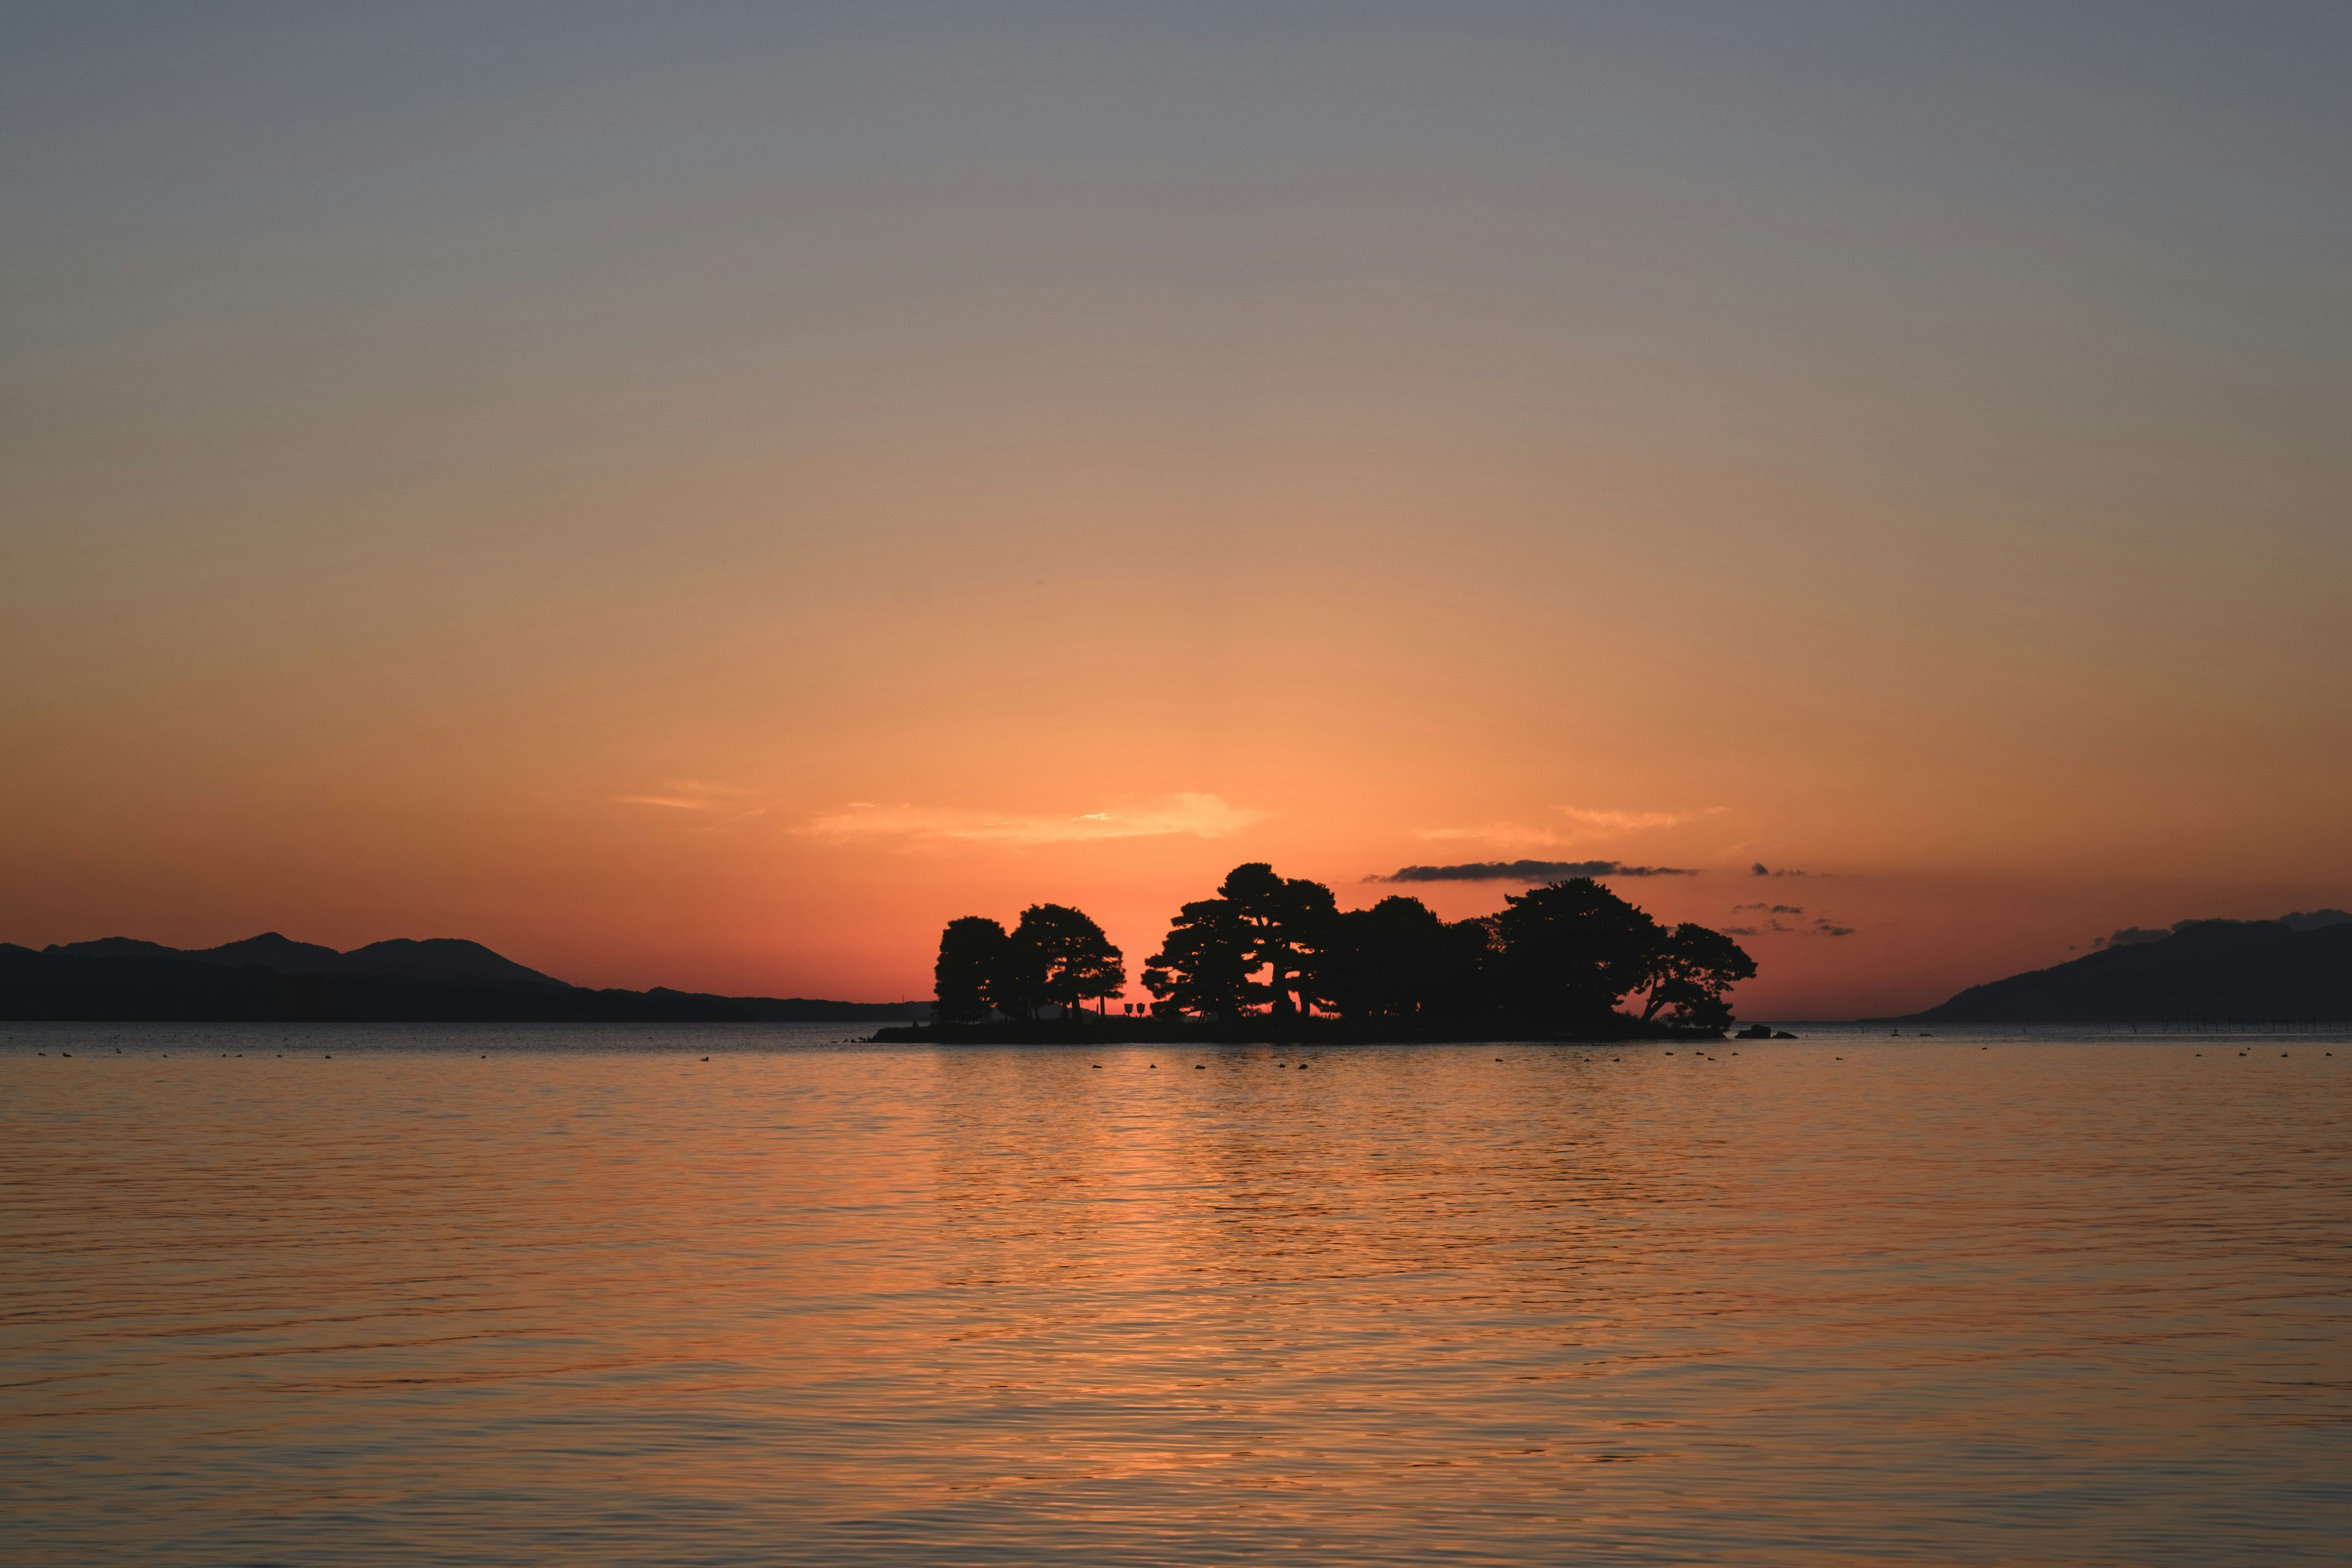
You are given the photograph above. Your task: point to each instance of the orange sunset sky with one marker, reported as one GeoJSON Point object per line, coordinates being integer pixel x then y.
{"type": "Point", "coordinates": [703, 496]}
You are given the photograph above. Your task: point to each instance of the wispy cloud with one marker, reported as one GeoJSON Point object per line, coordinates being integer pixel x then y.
{"type": "Point", "coordinates": [1203, 815]}
{"type": "Point", "coordinates": [1526, 871]}
{"type": "Point", "coordinates": [693, 795]}
{"type": "Point", "coordinates": [1494, 832]}
{"type": "Point", "coordinates": [1616, 822]}
{"type": "Point", "coordinates": [1584, 824]}
{"type": "Point", "coordinates": [1771, 908]}
{"type": "Point", "coordinates": [1761, 870]}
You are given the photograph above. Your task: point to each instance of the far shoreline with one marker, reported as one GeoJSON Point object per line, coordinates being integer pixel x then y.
{"type": "Point", "coordinates": [1097, 1029]}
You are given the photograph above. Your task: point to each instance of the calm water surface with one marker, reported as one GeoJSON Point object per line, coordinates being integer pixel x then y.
{"type": "Point", "coordinates": [593, 1299]}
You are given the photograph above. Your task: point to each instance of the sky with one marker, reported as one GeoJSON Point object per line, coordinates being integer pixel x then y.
{"type": "Point", "coordinates": [702, 495]}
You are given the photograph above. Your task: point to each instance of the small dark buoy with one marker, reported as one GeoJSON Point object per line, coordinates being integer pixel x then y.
{"type": "Point", "coordinates": [1097, 1066]}
{"type": "Point", "coordinates": [1154, 1066]}
{"type": "Point", "coordinates": [1302, 1066]}
{"type": "Point", "coordinates": [705, 1058]}
{"type": "Point", "coordinates": [1198, 1067]}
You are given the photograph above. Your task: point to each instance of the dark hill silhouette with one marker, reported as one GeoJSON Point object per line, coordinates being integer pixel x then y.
{"type": "Point", "coordinates": [272, 950]}
{"type": "Point", "coordinates": [435, 958]}
{"type": "Point", "coordinates": [270, 978]}
{"type": "Point", "coordinates": [2236, 971]}
{"type": "Point", "coordinates": [440, 958]}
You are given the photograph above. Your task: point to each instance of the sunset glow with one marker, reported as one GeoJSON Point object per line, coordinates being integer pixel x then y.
{"type": "Point", "coordinates": [1334, 783]}
{"type": "Point", "coordinates": [706, 504]}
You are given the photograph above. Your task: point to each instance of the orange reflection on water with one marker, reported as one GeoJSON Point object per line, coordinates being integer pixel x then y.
{"type": "Point", "coordinates": [2061, 1302]}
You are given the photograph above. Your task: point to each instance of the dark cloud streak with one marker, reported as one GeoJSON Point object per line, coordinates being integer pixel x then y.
{"type": "Point", "coordinates": [1526, 872]}
{"type": "Point", "coordinates": [1776, 927]}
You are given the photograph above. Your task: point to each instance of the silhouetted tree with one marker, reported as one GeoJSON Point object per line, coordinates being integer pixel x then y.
{"type": "Point", "coordinates": [1466, 984]}
{"type": "Point", "coordinates": [1288, 921]}
{"type": "Point", "coordinates": [1072, 961]}
{"type": "Point", "coordinates": [1570, 950]}
{"type": "Point", "coordinates": [1016, 986]}
{"type": "Point", "coordinates": [1373, 963]}
{"type": "Point", "coordinates": [972, 950]}
{"type": "Point", "coordinates": [1556, 957]}
{"type": "Point", "coordinates": [1398, 960]}
{"type": "Point", "coordinates": [1690, 970]}
{"type": "Point", "coordinates": [1202, 968]}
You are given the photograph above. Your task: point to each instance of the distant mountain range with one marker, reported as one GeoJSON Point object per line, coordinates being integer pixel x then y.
{"type": "Point", "coordinates": [2233, 971]}
{"type": "Point", "coordinates": [435, 958]}
{"type": "Point", "coordinates": [273, 978]}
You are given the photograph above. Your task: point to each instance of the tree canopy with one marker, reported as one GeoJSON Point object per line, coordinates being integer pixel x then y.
{"type": "Point", "coordinates": [1288, 921]}
{"type": "Point", "coordinates": [1569, 951]}
{"type": "Point", "coordinates": [1689, 972]}
{"type": "Point", "coordinates": [1202, 968]}
{"type": "Point", "coordinates": [971, 952]}
{"type": "Point", "coordinates": [1073, 961]}
{"type": "Point", "coordinates": [1563, 955]}
{"type": "Point", "coordinates": [1056, 955]}
{"type": "Point", "coordinates": [1398, 960]}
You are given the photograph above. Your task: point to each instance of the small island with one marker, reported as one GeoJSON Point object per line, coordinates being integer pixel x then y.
{"type": "Point", "coordinates": [1274, 958]}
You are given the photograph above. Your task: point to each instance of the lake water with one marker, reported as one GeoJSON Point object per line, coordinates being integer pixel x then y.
{"type": "Point", "coordinates": [521, 1295]}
